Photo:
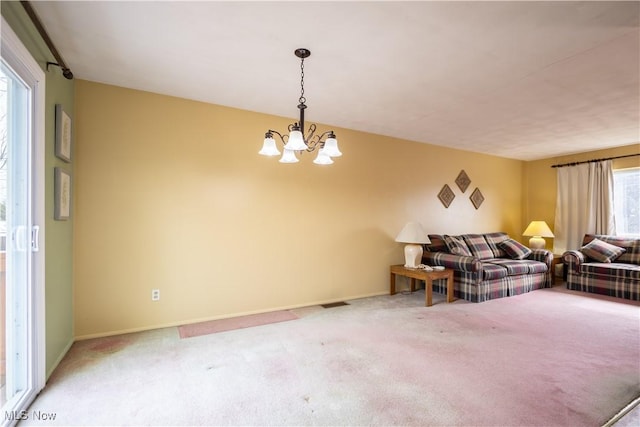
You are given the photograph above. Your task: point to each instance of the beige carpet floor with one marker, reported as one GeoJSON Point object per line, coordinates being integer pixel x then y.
{"type": "Point", "coordinates": [550, 357]}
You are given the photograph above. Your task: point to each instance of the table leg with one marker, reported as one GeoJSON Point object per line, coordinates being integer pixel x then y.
{"type": "Point", "coordinates": [450, 288]}
{"type": "Point", "coordinates": [428, 292]}
{"type": "Point", "coordinates": [392, 283]}
{"type": "Point", "coordinates": [413, 284]}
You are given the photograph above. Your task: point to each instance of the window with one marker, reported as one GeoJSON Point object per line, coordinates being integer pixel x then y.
{"type": "Point", "coordinates": [626, 203]}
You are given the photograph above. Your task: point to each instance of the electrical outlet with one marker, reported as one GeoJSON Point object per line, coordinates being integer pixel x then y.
{"type": "Point", "coordinates": [155, 294]}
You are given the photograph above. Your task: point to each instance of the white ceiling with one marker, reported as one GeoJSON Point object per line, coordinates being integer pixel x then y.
{"type": "Point", "coordinates": [523, 80]}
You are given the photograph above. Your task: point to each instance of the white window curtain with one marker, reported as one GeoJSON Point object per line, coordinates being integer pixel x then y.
{"type": "Point", "coordinates": [584, 204]}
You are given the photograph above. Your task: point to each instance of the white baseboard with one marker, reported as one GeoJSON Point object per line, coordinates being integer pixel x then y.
{"type": "Point", "coordinates": [225, 316]}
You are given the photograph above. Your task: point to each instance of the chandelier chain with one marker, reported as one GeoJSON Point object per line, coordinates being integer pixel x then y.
{"type": "Point", "coordinates": [302, 99]}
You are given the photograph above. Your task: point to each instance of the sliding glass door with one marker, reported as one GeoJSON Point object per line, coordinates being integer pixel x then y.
{"type": "Point", "coordinates": [21, 213]}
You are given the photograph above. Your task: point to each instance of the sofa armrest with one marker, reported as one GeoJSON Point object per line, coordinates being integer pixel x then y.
{"type": "Point", "coordinates": [573, 260]}
{"type": "Point", "coordinates": [455, 262]}
{"type": "Point", "coordinates": [541, 255]}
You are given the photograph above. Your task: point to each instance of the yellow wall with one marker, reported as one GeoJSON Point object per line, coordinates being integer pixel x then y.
{"type": "Point", "coordinates": [171, 194]}
{"type": "Point", "coordinates": [539, 181]}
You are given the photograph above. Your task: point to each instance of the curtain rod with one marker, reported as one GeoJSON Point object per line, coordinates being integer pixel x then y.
{"type": "Point", "coordinates": [593, 160]}
{"type": "Point", "coordinates": [66, 72]}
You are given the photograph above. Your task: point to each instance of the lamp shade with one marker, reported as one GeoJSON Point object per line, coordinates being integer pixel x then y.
{"type": "Point", "coordinates": [295, 142]}
{"type": "Point", "coordinates": [322, 158]}
{"type": "Point", "coordinates": [412, 233]}
{"type": "Point", "coordinates": [269, 147]}
{"type": "Point", "coordinates": [538, 229]}
{"type": "Point", "coordinates": [331, 147]}
{"type": "Point", "coordinates": [288, 156]}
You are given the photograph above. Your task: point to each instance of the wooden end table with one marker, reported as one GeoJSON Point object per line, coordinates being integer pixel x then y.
{"type": "Point", "coordinates": [427, 276]}
{"type": "Point", "coordinates": [557, 259]}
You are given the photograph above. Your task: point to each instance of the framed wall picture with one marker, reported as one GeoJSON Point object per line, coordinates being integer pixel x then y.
{"type": "Point", "coordinates": [63, 134]}
{"type": "Point", "coordinates": [62, 194]}
{"type": "Point", "coordinates": [463, 181]}
{"type": "Point", "coordinates": [446, 196]}
{"type": "Point", "coordinates": [476, 198]}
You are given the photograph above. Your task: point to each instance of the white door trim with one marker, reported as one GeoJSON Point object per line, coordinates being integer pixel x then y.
{"type": "Point", "coordinates": [20, 59]}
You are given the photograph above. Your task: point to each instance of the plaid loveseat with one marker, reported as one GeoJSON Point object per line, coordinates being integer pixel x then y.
{"type": "Point", "coordinates": [489, 273]}
{"type": "Point", "coordinates": [620, 277]}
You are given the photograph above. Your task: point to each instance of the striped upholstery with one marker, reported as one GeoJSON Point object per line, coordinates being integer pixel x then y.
{"type": "Point", "coordinates": [512, 266]}
{"type": "Point", "coordinates": [615, 270]}
{"type": "Point", "coordinates": [620, 278]}
{"type": "Point", "coordinates": [494, 240]}
{"type": "Point", "coordinates": [478, 246]}
{"type": "Point", "coordinates": [493, 271]}
{"type": "Point", "coordinates": [465, 288]}
{"type": "Point", "coordinates": [535, 266]}
{"type": "Point", "coordinates": [455, 262]}
{"type": "Point", "coordinates": [457, 245]}
{"type": "Point", "coordinates": [484, 275]}
{"type": "Point", "coordinates": [515, 249]}
{"type": "Point", "coordinates": [437, 244]}
{"type": "Point", "coordinates": [541, 255]}
{"type": "Point", "coordinates": [602, 251]}
{"type": "Point", "coordinates": [632, 246]}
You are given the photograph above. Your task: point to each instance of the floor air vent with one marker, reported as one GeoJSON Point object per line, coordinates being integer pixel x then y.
{"type": "Point", "coordinates": [334, 304]}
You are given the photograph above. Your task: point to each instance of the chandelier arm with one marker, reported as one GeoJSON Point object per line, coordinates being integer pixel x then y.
{"type": "Point", "coordinates": [316, 142]}
{"type": "Point", "coordinates": [324, 134]}
{"type": "Point", "coordinates": [312, 144]}
{"type": "Point", "coordinates": [282, 138]}
{"type": "Point", "coordinates": [312, 130]}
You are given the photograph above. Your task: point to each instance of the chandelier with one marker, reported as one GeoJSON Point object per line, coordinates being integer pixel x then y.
{"type": "Point", "coordinates": [296, 141]}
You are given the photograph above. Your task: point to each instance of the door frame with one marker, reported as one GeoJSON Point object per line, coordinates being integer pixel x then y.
{"type": "Point", "coordinates": [19, 58]}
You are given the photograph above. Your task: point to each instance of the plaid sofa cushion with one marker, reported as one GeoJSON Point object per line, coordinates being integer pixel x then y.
{"type": "Point", "coordinates": [513, 267]}
{"type": "Point", "coordinates": [521, 266]}
{"type": "Point", "coordinates": [536, 266]}
{"type": "Point", "coordinates": [514, 249]}
{"type": "Point", "coordinates": [478, 246]}
{"type": "Point", "coordinates": [437, 244]}
{"type": "Point", "coordinates": [630, 244]}
{"type": "Point", "coordinates": [457, 246]}
{"type": "Point", "coordinates": [493, 271]}
{"type": "Point", "coordinates": [602, 251]}
{"type": "Point", "coordinates": [494, 239]}
{"type": "Point", "coordinates": [614, 271]}
{"type": "Point", "coordinates": [455, 262]}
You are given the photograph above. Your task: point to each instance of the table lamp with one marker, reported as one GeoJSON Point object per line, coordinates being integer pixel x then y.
{"type": "Point", "coordinates": [538, 230]}
{"type": "Point", "coordinates": [414, 235]}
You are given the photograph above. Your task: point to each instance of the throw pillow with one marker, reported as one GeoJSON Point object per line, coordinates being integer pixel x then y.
{"type": "Point", "coordinates": [457, 246]}
{"type": "Point", "coordinates": [514, 249]}
{"type": "Point", "coordinates": [478, 246]}
{"type": "Point", "coordinates": [602, 251]}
